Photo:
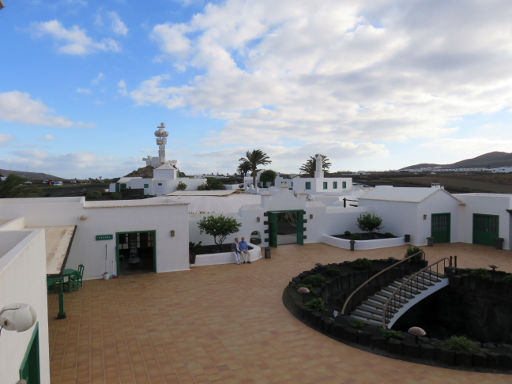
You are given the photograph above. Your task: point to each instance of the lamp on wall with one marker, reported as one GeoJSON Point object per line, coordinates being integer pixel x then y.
{"type": "Point", "coordinates": [17, 317]}
{"type": "Point", "coordinates": [310, 215]}
{"type": "Point", "coordinates": [172, 232]}
{"type": "Point", "coordinates": [258, 219]}
{"type": "Point", "coordinates": [424, 217]}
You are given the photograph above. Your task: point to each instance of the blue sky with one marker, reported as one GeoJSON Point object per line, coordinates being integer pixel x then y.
{"type": "Point", "coordinates": [373, 85]}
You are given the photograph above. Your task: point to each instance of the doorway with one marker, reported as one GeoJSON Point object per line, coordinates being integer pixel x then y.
{"type": "Point", "coordinates": [486, 229]}
{"type": "Point", "coordinates": [286, 227]}
{"type": "Point", "coordinates": [441, 227]}
{"type": "Point", "coordinates": [136, 252]}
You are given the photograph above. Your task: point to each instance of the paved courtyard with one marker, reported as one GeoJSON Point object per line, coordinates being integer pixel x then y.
{"type": "Point", "coordinates": [227, 324]}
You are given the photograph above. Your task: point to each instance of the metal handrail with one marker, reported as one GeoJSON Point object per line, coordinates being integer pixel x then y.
{"type": "Point", "coordinates": [408, 285]}
{"type": "Point", "coordinates": [377, 275]}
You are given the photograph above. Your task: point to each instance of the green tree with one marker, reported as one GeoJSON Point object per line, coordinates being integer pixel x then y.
{"type": "Point", "coordinates": [11, 186]}
{"type": "Point", "coordinates": [368, 222]}
{"type": "Point", "coordinates": [219, 227]}
{"type": "Point", "coordinates": [181, 186]}
{"type": "Point", "coordinates": [309, 167]}
{"type": "Point", "coordinates": [268, 176]}
{"type": "Point", "coordinates": [212, 184]}
{"type": "Point", "coordinates": [243, 168]}
{"type": "Point", "coordinates": [255, 158]}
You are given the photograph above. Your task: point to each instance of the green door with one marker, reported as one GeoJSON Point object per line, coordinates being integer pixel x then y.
{"type": "Point", "coordinates": [485, 229]}
{"type": "Point", "coordinates": [441, 227]}
{"type": "Point", "coordinates": [29, 369]}
{"type": "Point", "coordinates": [272, 229]}
{"type": "Point", "coordinates": [300, 227]}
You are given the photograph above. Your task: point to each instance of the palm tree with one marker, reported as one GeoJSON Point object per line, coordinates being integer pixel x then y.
{"type": "Point", "coordinates": [244, 167]}
{"type": "Point", "coordinates": [309, 167]}
{"type": "Point", "coordinates": [255, 158]}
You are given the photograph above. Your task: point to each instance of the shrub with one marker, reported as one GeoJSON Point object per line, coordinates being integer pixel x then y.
{"type": "Point", "coordinates": [316, 304]}
{"type": "Point", "coordinates": [356, 236]}
{"type": "Point", "coordinates": [412, 250]}
{"type": "Point", "coordinates": [116, 195]}
{"type": "Point", "coordinates": [181, 186]}
{"type": "Point", "coordinates": [211, 184]}
{"type": "Point", "coordinates": [93, 195]}
{"type": "Point", "coordinates": [268, 177]}
{"type": "Point", "coordinates": [389, 235]}
{"type": "Point", "coordinates": [332, 270]}
{"type": "Point", "coordinates": [390, 333]}
{"type": "Point", "coordinates": [316, 279]}
{"type": "Point", "coordinates": [508, 278]}
{"type": "Point", "coordinates": [347, 233]}
{"type": "Point", "coordinates": [357, 324]}
{"type": "Point", "coordinates": [219, 227]}
{"type": "Point", "coordinates": [362, 264]}
{"type": "Point", "coordinates": [481, 273]}
{"type": "Point", "coordinates": [461, 343]}
{"type": "Point", "coordinates": [193, 248]}
{"type": "Point", "coordinates": [368, 222]}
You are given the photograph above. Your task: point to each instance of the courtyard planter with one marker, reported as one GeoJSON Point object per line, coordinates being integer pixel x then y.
{"type": "Point", "coordinates": [216, 258]}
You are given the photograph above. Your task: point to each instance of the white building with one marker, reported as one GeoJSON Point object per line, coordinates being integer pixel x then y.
{"type": "Point", "coordinates": [165, 173]}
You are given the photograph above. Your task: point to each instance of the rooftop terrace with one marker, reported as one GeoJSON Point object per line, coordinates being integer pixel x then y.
{"type": "Point", "coordinates": [227, 324]}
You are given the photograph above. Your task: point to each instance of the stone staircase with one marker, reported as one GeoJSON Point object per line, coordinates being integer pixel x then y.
{"type": "Point", "coordinates": [411, 290]}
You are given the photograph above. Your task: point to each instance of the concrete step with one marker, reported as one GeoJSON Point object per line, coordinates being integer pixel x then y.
{"type": "Point", "coordinates": [367, 316]}
{"type": "Point", "coordinates": [371, 309]}
{"type": "Point", "coordinates": [367, 321]}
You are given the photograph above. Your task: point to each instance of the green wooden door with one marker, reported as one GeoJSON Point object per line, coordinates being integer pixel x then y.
{"type": "Point", "coordinates": [441, 227]}
{"type": "Point", "coordinates": [485, 229]}
{"type": "Point", "coordinates": [29, 369]}
{"type": "Point", "coordinates": [300, 227]}
{"type": "Point", "coordinates": [272, 229]}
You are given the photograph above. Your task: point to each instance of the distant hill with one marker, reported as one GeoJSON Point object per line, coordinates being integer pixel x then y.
{"type": "Point", "coordinates": [487, 160]}
{"type": "Point", "coordinates": [30, 175]}
{"type": "Point", "coordinates": [144, 172]}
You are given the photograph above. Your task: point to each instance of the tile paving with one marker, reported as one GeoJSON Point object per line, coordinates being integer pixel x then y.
{"type": "Point", "coordinates": [227, 324]}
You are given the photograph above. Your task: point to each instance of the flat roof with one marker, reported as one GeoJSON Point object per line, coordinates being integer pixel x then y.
{"type": "Point", "coordinates": [204, 193]}
{"type": "Point", "coordinates": [155, 201]}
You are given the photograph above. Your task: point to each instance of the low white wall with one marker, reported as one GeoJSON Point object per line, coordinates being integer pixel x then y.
{"type": "Point", "coordinates": [23, 280]}
{"type": "Point", "coordinates": [225, 257]}
{"type": "Point", "coordinates": [361, 245]}
{"type": "Point", "coordinates": [13, 225]}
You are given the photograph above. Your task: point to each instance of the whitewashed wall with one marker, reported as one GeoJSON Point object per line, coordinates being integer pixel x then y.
{"type": "Point", "coordinates": [487, 204]}
{"type": "Point", "coordinates": [23, 280]}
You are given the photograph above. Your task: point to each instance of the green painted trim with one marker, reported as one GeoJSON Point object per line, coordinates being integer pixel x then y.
{"type": "Point", "coordinates": [308, 185]}
{"type": "Point", "coordinates": [449, 226]}
{"type": "Point", "coordinates": [118, 270]}
{"type": "Point", "coordinates": [344, 184]}
{"type": "Point", "coordinates": [26, 363]}
{"type": "Point", "coordinates": [334, 185]}
{"type": "Point", "coordinates": [272, 219]}
{"type": "Point", "coordinates": [484, 238]}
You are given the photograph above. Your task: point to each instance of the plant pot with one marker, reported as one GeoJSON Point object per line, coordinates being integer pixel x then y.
{"type": "Point", "coordinates": [192, 258]}
{"type": "Point", "coordinates": [105, 276]}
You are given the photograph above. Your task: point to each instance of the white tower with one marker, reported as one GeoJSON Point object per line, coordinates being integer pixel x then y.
{"type": "Point", "coordinates": [161, 140]}
{"type": "Point", "coordinates": [319, 173]}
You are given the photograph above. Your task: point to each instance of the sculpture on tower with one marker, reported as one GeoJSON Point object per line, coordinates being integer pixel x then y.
{"type": "Point", "coordinates": [161, 140]}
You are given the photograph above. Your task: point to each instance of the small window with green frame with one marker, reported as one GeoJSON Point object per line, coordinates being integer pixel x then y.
{"type": "Point", "coordinates": [334, 185]}
{"type": "Point", "coordinates": [344, 184]}
{"type": "Point", "coordinates": [325, 184]}
{"type": "Point", "coordinates": [146, 185]}
{"type": "Point", "coordinates": [308, 184]}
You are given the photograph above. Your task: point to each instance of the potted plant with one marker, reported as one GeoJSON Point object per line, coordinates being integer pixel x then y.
{"type": "Point", "coordinates": [193, 249]}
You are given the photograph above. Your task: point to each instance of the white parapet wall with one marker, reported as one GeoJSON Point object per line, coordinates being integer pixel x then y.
{"type": "Point", "coordinates": [23, 280]}
{"type": "Point", "coordinates": [225, 257]}
{"type": "Point", "coordinates": [361, 245]}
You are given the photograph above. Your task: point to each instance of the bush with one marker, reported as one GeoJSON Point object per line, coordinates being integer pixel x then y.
{"type": "Point", "coordinates": [332, 270]}
{"type": "Point", "coordinates": [481, 273]}
{"type": "Point", "coordinates": [268, 176]}
{"type": "Point", "coordinates": [194, 248]}
{"type": "Point", "coordinates": [315, 304]}
{"type": "Point", "coordinates": [368, 222]}
{"type": "Point", "coordinates": [181, 186]}
{"type": "Point", "coordinates": [219, 227]}
{"type": "Point", "coordinates": [356, 236]}
{"type": "Point", "coordinates": [116, 196]}
{"type": "Point", "coordinates": [362, 264]}
{"type": "Point", "coordinates": [347, 233]}
{"type": "Point", "coordinates": [357, 324]}
{"type": "Point", "coordinates": [212, 184]}
{"type": "Point", "coordinates": [316, 280]}
{"type": "Point", "coordinates": [93, 195]}
{"type": "Point", "coordinates": [390, 333]}
{"type": "Point", "coordinates": [389, 235]}
{"type": "Point", "coordinates": [461, 343]}
{"type": "Point", "coordinates": [508, 278]}
{"type": "Point", "coordinates": [413, 250]}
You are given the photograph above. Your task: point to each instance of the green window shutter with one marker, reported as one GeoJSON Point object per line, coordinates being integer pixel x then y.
{"type": "Point", "coordinates": [29, 369]}
{"type": "Point", "coordinates": [325, 184]}
{"type": "Point", "coordinates": [300, 227]}
{"type": "Point", "coordinates": [272, 221]}
{"type": "Point", "coordinates": [146, 185]}
{"type": "Point", "coordinates": [308, 184]}
{"type": "Point", "coordinates": [334, 185]}
{"type": "Point", "coordinates": [344, 184]}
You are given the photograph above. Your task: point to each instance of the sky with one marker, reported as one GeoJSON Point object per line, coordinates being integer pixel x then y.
{"type": "Point", "coordinates": [371, 84]}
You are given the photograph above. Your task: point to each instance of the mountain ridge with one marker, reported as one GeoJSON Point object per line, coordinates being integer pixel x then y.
{"type": "Point", "coordinates": [487, 160]}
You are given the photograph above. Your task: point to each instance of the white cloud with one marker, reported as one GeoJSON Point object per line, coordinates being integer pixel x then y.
{"type": "Point", "coordinates": [74, 40]}
{"type": "Point", "coordinates": [118, 27]}
{"type": "Point", "coordinates": [83, 90]}
{"type": "Point", "coordinates": [358, 72]}
{"type": "Point", "coordinates": [46, 138]}
{"type": "Point", "coordinates": [5, 138]}
{"type": "Point", "coordinates": [121, 87]}
{"type": "Point", "coordinates": [98, 78]}
{"type": "Point", "coordinates": [74, 164]}
{"type": "Point", "coordinates": [19, 107]}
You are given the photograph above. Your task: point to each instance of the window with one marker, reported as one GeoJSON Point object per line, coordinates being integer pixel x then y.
{"type": "Point", "coordinates": [334, 185]}
{"type": "Point", "coordinates": [325, 184]}
{"type": "Point", "coordinates": [344, 184]}
{"type": "Point", "coordinates": [146, 185]}
{"type": "Point", "coordinates": [308, 184]}
{"type": "Point", "coordinates": [159, 184]}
